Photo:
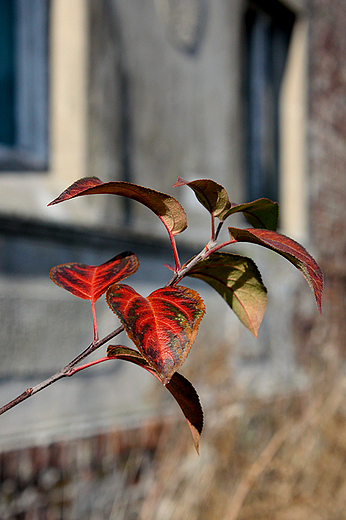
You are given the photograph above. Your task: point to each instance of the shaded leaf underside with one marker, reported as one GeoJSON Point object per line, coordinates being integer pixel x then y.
{"type": "Point", "coordinates": [238, 280]}
{"type": "Point", "coordinates": [261, 213]}
{"type": "Point", "coordinates": [209, 193]}
{"type": "Point", "coordinates": [180, 388]}
{"type": "Point", "coordinates": [288, 248]}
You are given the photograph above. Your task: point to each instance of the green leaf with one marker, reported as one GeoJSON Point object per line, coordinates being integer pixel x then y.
{"type": "Point", "coordinates": [211, 195]}
{"type": "Point", "coordinates": [180, 388]}
{"type": "Point", "coordinates": [261, 213]}
{"type": "Point", "coordinates": [167, 208]}
{"type": "Point", "coordinates": [288, 248]}
{"type": "Point", "coordinates": [238, 280]}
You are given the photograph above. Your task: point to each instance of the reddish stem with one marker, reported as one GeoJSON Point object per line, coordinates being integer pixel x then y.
{"type": "Point", "coordinates": [219, 246]}
{"type": "Point", "coordinates": [87, 365]}
{"type": "Point", "coordinates": [96, 332]}
{"type": "Point", "coordinates": [174, 246]}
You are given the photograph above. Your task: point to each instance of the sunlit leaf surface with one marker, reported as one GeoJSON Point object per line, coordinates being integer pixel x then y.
{"type": "Point", "coordinates": [91, 281]}
{"type": "Point", "coordinates": [163, 326]}
{"type": "Point", "coordinates": [167, 208]}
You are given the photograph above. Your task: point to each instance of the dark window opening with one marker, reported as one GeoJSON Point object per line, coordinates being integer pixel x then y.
{"type": "Point", "coordinates": [23, 84]}
{"type": "Point", "coordinates": [268, 29]}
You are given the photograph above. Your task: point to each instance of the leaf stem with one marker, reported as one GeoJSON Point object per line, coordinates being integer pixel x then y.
{"type": "Point", "coordinates": [87, 365]}
{"type": "Point", "coordinates": [219, 227]}
{"type": "Point", "coordinates": [96, 332]}
{"type": "Point", "coordinates": [212, 226]}
{"type": "Point", "coordinates": [175, 251]}
{"type": "Point", "coordinates": [219, 246]}
{"type": "Point", "coordinates": [173, 244]}
{"type": "Point", "coordinates": [69, 369]}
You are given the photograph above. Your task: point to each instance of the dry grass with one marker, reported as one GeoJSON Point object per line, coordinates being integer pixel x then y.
{"type": "Point", "coordinates": [283, 459]}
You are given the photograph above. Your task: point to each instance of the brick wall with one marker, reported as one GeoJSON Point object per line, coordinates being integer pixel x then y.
{"type": "Point", "coordinates": [96, 477]}
{"type": "Point", "coordinates": [327, 96]}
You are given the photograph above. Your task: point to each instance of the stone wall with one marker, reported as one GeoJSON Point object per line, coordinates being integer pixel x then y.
{"type": "Point", "coordinates": [327, 150]}
{"type": "Point", "coordinates": [102, 476]}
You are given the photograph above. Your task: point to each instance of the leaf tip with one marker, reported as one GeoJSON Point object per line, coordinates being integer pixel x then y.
{"type": "Point", "coordinates": [180, 182]}
{"type": "Point", "coordinates": [76, 188]}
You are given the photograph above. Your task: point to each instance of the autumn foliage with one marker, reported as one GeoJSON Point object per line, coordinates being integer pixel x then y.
{"type": "Point", "coordinates": [163, 326]}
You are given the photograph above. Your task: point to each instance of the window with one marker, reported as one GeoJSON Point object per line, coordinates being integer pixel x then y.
{"type": "Point", "coordinates": [23, 84]}
{"type": "Point", "coordinates": [268, 29]}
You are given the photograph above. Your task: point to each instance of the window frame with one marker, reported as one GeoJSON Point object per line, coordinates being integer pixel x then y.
{"type": "Point", "coordinates": [268, 29]}
{"type": "Point", "coordinates": [29, 149]}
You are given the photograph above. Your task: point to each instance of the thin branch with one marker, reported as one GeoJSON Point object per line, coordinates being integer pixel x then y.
{"type": "Point", "coordinates": [67, 371]}
{"type": "Point", "coordinates": [186, 268]}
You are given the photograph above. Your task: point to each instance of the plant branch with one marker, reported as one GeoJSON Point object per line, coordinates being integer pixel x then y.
{"type": "Point", "coordinates": [67, 371]}
{"type": "Point", "coordinates": [210, 248]}
{"type": "Point", "coordinates": [187, 267]}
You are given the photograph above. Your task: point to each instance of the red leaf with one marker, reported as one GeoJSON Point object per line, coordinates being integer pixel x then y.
{"type": "Point", "coordinates": [163, 326]}
{"type": "Point", "coordinates": [91, 281]}
{"type": "Point", "coordinates": [167, 208]}
{"type": "Point", "coordinates": [288, 248]}
{"type": "Point", "coordinates": [180, 388]}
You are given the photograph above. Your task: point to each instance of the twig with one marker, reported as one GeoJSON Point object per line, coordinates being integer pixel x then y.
{"type": "Point", "coordinates": [96, 343]}
{"type": "Point", "coordinates": [67, 371]}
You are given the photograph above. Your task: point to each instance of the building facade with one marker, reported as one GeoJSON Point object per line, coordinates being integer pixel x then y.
{"type": "Point", "coordinates": [247, 93]}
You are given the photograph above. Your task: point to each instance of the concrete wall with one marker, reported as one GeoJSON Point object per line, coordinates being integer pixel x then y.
{"type": "Point", "coordinates": [132, 98]}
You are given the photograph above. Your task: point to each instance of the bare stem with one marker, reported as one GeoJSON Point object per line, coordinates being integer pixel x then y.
{"type": "Point", "coordinates": [87, 365]}
{"type": "Point", "coordinates": [194, 261]}
{"type": "Point", "coordinates": [212, 227]}
{"type": "Point", "coordinates": [67, 371]}
{"type": "Point", "coordinates": [96, 332]}
{"type": "Point", "coordinates": [175, 252]}
{"type": "Point", "coordinates": [220, 224]}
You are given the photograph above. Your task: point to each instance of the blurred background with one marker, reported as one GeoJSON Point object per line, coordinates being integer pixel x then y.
{"type": "Point", "coordinates": [249, 93]}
